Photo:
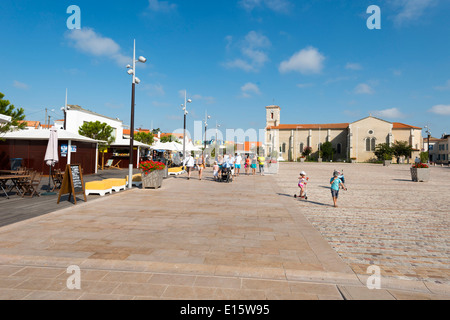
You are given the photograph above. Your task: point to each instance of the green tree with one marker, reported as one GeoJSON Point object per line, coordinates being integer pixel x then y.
{"type": "Point", "coordinates": [402, 148]}
{"type": "Point", "coordinates": [424, 157]}
{"type": "Point", "coordinates": [147, 138]}
{"type": "Point", "coordinates": [156, 131]}
{"type": "Point", "coordinates": [98, 131]}
{"type": "Point", "coordinates": [170, 138]}
{"type": "Point", "coordinates": [384, 151]}
{"type": "Point", "coordinates": [327, 151]}
{"type": "Point", "coordinates": [17, 115]}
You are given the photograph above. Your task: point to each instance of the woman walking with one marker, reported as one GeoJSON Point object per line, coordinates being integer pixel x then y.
{"type": "Point", "coordinates": [247, 165]}
{"type": "Point", "coordinates": [200, 166]}
{"type": "Point", "coordinates": [254, 163]}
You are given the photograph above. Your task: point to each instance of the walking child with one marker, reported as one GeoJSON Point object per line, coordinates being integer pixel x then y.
{"type": "Point", "coordinates": [216, 170]}
{"type": "Point", "coordinates": [336, 183]}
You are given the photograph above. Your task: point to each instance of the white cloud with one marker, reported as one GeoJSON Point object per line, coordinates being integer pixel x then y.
{"type": "Point", "coordinates": [253, 49]}
{"type": "Point", "coordinates": [364, 88]}
{"type": "Point", "coordinates": [280, 6]}
{"type": "Point", "coordinates": [353, 66]}
{"type": "Point", "coordinates": [161, 6]}
{"type": "Point", "coordinates": [20, 85]}
{"type": "Point", "coordinates": [443, 110]}
{"type": "Point", "coordinates": [88, 41]}
{"type": "Point", "coordinates": [445, 87]}
{"type": "Point", "coordinates": [409, 10]}
{"type": "Point", "coordinates": [393, 113]}
{"type": "Point", "coordinates": [229, 40]}
{"type": "Point", "coordinates": [306, 61]}
{"type": "Point", "coordinates": [240, 64]}
{"type": "Point", "coordinates": [248, 89]}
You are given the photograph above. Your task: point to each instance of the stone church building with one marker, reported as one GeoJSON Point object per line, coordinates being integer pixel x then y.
{"type": "Point", "coordinates": [356, 140]}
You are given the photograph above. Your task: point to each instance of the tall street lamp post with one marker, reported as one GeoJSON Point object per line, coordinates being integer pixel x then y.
{"type": "Point", "coordinates": [186, 101]}
{"type": "Point", "coordinates": [217, 143]}
{"type": "Point", "coordinates": [206, 127]}
{"type": "Point", "coordinates": [132, 72]}
{"type": "Point", "coordinates": [428, 132]}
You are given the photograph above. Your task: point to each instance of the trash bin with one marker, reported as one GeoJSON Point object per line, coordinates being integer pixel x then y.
{"type": "Point", "coordinates": [16, 163]}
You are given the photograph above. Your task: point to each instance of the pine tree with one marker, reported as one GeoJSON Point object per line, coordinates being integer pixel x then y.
{"type": "Point", "coordinates": [17, 115]}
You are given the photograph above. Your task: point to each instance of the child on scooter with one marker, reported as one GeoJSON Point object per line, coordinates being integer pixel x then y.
{"type": "Point", "coordinates": [302, 181]}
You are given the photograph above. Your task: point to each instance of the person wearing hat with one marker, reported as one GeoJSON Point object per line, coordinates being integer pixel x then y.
{"type": "Point", "coordinates": [302, 181]}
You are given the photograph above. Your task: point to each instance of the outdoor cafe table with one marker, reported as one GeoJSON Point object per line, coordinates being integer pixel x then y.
{"type": "Point", "coordinates": [8, 171]}
{"type": "Point", "coordinates": [13, 178]}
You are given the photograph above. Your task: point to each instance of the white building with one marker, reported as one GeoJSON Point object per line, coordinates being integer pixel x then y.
{"type": "Point", "coordinates": [76, 116]}
{"type": "Point", "coordinates": [439, 150]}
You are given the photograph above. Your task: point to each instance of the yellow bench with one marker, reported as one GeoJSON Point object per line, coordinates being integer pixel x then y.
{"type": "Point", "coordinates": [137, 180]}
{"type": "Point", "coordinates": [116, 184]}
{"type": "Point", "coordinates": [97, 187]}
{"type": "Point", "coordinates": [176, 171]}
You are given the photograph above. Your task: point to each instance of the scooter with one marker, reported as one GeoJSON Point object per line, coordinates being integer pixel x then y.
{"type": "Point", "coordinates": [305, 195]}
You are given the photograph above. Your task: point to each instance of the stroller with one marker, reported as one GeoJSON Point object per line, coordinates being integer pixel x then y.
{"type": "Point", "coordinates": [227, 174]}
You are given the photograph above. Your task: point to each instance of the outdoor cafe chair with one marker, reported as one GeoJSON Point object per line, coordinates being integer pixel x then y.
{"type": "Point", "coordinates": [110, 164]}
{"type": "Point", "coordinates": [57, 177]}
{"type": "Point", "coordinates": [20, 183]}
{"type": "Point", "coordinates": [32, 185]}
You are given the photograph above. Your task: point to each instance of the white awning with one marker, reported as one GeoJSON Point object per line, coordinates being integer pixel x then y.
{"type": "Point", "coordinates": [126, 143]}
{"type": "Point", "coordinates": [44, 134]}
{"type": "Point", "coordinates": [168, 146]}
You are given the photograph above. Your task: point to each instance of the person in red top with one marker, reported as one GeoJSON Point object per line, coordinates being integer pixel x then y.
{"type": "Point", "coordinates": [247, 164]}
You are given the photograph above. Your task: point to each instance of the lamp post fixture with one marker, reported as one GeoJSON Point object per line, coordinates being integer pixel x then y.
{"type": "Point", "coordinates": [184, 106]}
{"type": "Point", "coordinates": [217, 143]}
{"type": "Point", "coordinates": [206, 127]}
{"type": "Point", "coordinates": [428, 132]}
{"type": "Point", "coordinates": [132, 72]}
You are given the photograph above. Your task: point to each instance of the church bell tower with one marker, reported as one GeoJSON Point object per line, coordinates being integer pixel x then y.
{"type": "Point", "coordinates": [273, 114]}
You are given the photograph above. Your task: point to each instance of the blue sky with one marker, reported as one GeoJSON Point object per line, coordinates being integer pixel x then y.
{"type": "Point", "coordinates": [316, 59]}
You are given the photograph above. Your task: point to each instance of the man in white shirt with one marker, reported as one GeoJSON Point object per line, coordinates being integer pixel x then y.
{"type": "Point", "coordinates": [189, 163]}
{"type": "Point", "coordinates": [237, 164]}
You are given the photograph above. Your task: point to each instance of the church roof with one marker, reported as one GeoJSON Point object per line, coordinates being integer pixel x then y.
{"type": "Point", "coordinates": [309, 126]}
{"type": "Point", "coordinates": [399, 125]}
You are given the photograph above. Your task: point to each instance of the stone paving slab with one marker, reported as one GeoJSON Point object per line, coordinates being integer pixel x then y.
{"type": "Point", "coordinates": [194, 240]}
{"type": "Point", "coordinates": [383, 219]}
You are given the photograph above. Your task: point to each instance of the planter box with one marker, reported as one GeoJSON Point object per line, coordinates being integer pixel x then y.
{"type": "Point", "coordinates": [420, 174]}
{"type": "Point", "coordinates": [152, 180]}
{"type": "Point", "coordinates": [387, 163]}
{"type": "Point", "coordinates": [302, 159]}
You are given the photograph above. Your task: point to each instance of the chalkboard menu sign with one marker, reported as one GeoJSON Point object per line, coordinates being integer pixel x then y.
{"type": "Point", "coordinates": [72, 183]}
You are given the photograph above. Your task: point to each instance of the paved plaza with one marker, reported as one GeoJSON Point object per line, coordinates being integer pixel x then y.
{"type": "Point", "coordinates": [203, 240]}
{"type": "Point", "coordinates": [383, 219]}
